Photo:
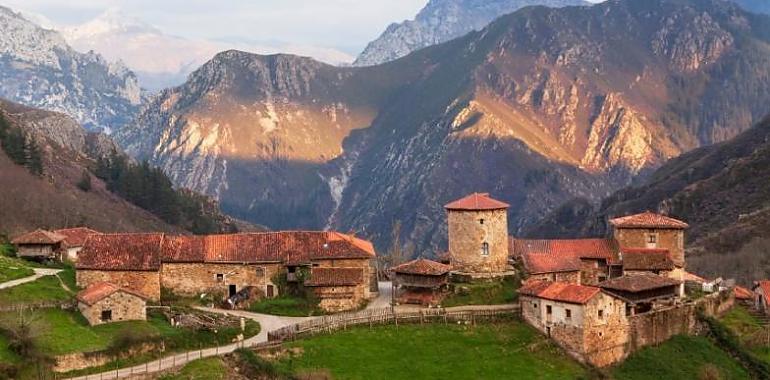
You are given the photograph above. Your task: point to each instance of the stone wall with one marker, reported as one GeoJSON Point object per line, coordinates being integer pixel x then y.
{"type": "Point", "coordinates": [192, 279]}
{"type": "Point", "coordinates": [146, 283]}
{"type": "Point", "coordinates": [659, 325]}
{"type": "Point", "coordinates": [124, 307]}
{"type": "Point", "coordinates": [592, 272]}
{"type": "Point", "coordinates": [571, 277]}
{"type": "Point", "coordinates": [339, 298]}
{"type": "Point", "coordinates": [467, 234]}
{"type": "Point", "coordinates": [605, 331]}
{"type": "Point", "coordinates": [81, 360]}
{"type": "Point", "coordinates": [673, 240]}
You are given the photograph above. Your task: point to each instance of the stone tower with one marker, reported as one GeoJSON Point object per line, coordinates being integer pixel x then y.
{"type": "Point", "coordinates": [478, 236]}
{"type": "Point", "coordinates": [652, 231]}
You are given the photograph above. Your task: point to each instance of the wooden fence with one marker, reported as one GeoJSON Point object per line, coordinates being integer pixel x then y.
{"type": "Point", "coordinates": [66, 305]}
{"type": "Point", "coordinates": [331, 323]}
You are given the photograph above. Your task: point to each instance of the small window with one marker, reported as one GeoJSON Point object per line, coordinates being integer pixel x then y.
{"type": "Point", "coordinates": [534, 304]}
{"type": "Point", "coordinates": [481, 221]}
{"type": "Point", "coordinates": [260, 272]}
{"type": "Point", "coordinates": [292, 269]}
{"type": "Point", "coordinates": [568, 313]}
{"type": "Point", "coordinates": [548, 309]}
{"type": "Point", "coordinates": [601, 314]}
{"type": "Point", "coordinates": [220, 277]}
{"type": "Point", "coordinates": [652, 238]}
{"type": "Point", "coordinates": [600, 333]}
{"type": "Point", "coordinates": [485, 249]}
{"type": "Point", "coordinates": [106, 315]}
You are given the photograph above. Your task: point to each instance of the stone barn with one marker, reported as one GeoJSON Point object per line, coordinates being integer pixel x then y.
{"type": "Point", "coordinates": [478, 236]}
{"type": "Point", "coordinates": [103, 302]}
{"type": "Point", "coordinates": [337, 289]}
{"type": "Point", "coordinates": [643, 292]}
{"type": "Point", "coordinates": [588, 323]}
{"type": "Point", "coordinates": [130, 261]}
{"type": "Point", "coordinates": [421, 282]}
{"type": "Point", "coordinates": [39, 245]}
{"type": "Point", "coordinates": [74, 239]}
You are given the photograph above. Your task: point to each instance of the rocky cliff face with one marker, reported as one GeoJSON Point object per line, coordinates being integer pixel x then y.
{"type": "Point", "coordinates": [542, 106]}
{"type": "Point", "coordinates": [37, 68]}
{"type": "Point", "coordinates": [441, 21]}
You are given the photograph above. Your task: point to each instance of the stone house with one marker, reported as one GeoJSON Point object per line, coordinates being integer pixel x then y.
{"type": "Point", "coordinates": [223, 265]}
{"type": "Point", "coordinates": [39, 245]}
{"type": "Point", "coordinates": [641, 243]}
{"type": "Point", "coordinates": [478, 236]}
{"type": "Point", "coordinates": [421, 281]}
{"type": "Point", "coordinates": [130, 261]}
{"type": "Point", "coordinates": [74, 239]}
{"type": "Point", "coordinates": [762, 296]}
{"type": "Point", "coordinates": [588, 323]}
{"type": "Point", "coordinates": [338, 289]}
{"type": "Point", "coordinates": [103, 302]}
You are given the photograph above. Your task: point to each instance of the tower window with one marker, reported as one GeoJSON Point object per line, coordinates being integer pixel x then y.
{"type": "Point", "coordinates": [485, 249]}
{"type": "Point", "coordinates": [481, 221]}
{"type": "Point", "coordinates": [652, 240]}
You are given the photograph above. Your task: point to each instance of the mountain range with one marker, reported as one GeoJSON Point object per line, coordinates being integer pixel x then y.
{"type": "Point", "coordinates": [39, 69]}
{"type": "Point", "coordinates": [541, 106]}
{"type": "Point", "coordinates": [440, 21]}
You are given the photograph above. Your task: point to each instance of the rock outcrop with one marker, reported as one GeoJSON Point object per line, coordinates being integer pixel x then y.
{"type": "Point", "coordinates": [39, 69]}
{"type": "Point", "coordinates": [441, 21]}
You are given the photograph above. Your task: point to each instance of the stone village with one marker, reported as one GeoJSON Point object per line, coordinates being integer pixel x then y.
{"type": "Point", "coordinates": [598, 298]}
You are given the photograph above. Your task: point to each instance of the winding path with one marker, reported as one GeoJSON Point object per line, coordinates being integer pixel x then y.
{"type": "Point", "coordinates": [39, 272]}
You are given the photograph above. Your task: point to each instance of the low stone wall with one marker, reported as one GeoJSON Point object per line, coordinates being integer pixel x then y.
{"type": "Point", "coordinates": [81, 360]}
{"type": "Point", "coordinates": [658, 326]}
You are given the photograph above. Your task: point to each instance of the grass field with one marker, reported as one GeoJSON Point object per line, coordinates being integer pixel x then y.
{"type": "Point", "coordinates": [485, 293]}
{"type": "Point", "coordinates": [741, 322]}
{"type": "Point", "coordinates": [203, 369]}
{"type": "Point", "coordinates": [61, 332]}
{"type": "Point", "coordinates": [496, 351]}
{"type": "Point", "coordinates": [682, 357]}
{"type": "Point", "coordinates": [13, 269]}
{"type": "Point", "coordinates": [286, 306]}
{"type": "Point", "coordinates": [45, 289]}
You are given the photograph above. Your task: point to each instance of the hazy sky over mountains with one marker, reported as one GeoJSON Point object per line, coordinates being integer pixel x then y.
{"type": "Point", "coordinates": [345, 25]}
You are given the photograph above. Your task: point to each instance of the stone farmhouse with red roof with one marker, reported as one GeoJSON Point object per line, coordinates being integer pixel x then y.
{"type": "Point", "coordinates": [587, 322]}
{"type": "Point", "coordinates": [337, 267]}
{"type": "Point", "coordinates": [74, 239]}
{"type": "Point", "coordinates": [39, 245]}
{"type": "Point", "coordinates": [640, 244]}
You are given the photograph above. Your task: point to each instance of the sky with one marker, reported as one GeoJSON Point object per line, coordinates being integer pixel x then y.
{"type": "Point", "coordinates": [345, 25]}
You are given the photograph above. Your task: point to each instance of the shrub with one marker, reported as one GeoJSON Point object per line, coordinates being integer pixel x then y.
{"type": "Point", "coordinates": [258, 368]}
{"type": "Point", "coordinates": [85, 181]}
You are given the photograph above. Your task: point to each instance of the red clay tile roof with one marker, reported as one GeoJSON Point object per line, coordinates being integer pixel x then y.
{"type": "Point", "coordinates": [742, 293]}
{"type": "Point", "coordinates": [694, 278]}
{"type": "Point", "coordinates": [648, 220]}
{"type": "Point", "coordinates": [100, 290]}
{"type": "Point", "coordinates": [423, 267]}
{"type": "Point", "coordinates": [560, 291]}
{"type": "Point", "coordinates": [38, 237]}
{"type": "Point", "coordinates": [638, 282]}
{"type": "Point", "coordinates": [646, 259]}
{"type": "Point", "coordinates": [121, 252]}
{"type": "Point", "coordinates": [477, 201]}
{"type": "Point", "coordinates": [76, 237]}
{"type": "Point", "coordinates": [547, 256]}
{"type": "Point", "coordinates": [335, 277]}
{"type": "Point", "coordinates": [291, 247]}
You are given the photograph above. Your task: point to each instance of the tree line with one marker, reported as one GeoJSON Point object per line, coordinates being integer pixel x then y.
{"type": "Point", "coordinates": [149, 188]}
{"type": "Point", "coordinates": [20, 148]}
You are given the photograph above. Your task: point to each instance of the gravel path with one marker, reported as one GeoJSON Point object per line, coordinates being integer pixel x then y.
{"type": "Point", "coordinates": [39, 272]}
